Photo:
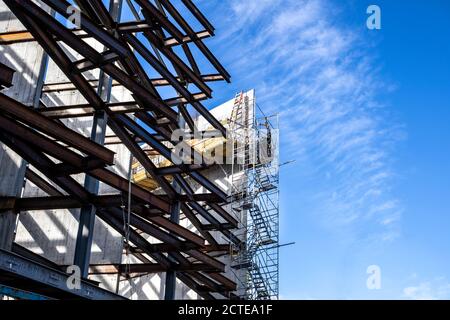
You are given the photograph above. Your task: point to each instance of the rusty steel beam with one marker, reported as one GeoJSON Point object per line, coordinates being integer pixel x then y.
{"type": "Point", "coordinates": [191, 33]}
{"type": "Point", "coordinates": [201, 290]}
{"type": "Point", "coordinates": [161, 69]}
{"type": "Point", "coordinates": [183, 168]}
{"type": "Point", "coordinates": [187, 211]}
{"type": "Point", "coordinates": [110, 178]}
{"type": "Point", "coordinates": [71, 158]}
{"type": "Point", "coordinates": [167, 153]}
{"type": "Point", "coordinates": [171, 42]}
{"type": "Point", "coordinates": [199, 15]}
{"type": "Point", "coordinates": [57, 200]}
{"type": "Point", "coordinates": [156, 82]}
{"type": "Point", "coordinates": [74, 189]}
{"type": "Point", "coordinates": [177, 62]}
{"type": "Point", "coordinates": [88, 52]}
{"type": "Point", "coordinates": [149, 228]}
{"type": "Point", "coordinates": [100, 34]}
{"type": "Point", "coordinates": [163, 247]}
{"type": "Point", "coordinates": [6, 76]}
{"type": "Point", "coordinates": [135, 238]}
{"type": "Point", "coordinates": [224, 214]}
{"type": "Point", "coordinates": [58, 131]}
{"type": "Point", "coordinates": [84, 110]}
{"type": "Point", "coordinates": [42, 184]}
{"type": "Point", "coordinates": [209, 283]}
{"type": "Point", "coordinates": [208, 197]}
{"type": "Point", "coordinates": [229, 284]}
{"type": "Point", "coordinates": [144, 268]}
{"type": "Point", "coordinates": [153, 11]}
{"type": "Point", "coordinates": [122, 184]}
{"type": "Point", "coordinates": [140, 155]}
{"type": "Point", "coordinates": [108, 201]}
{"type": "Point", "coordinates": [50, 146]}
{"type": "Point", "coordinates": [99, 10]}
{"type": "Point", "coordinates": [43, 163]}
{"type": "Point", "coordinates": [20, 36]}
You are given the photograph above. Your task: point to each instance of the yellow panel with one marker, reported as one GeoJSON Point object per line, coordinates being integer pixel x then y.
{"type": "Point", "coordinates": [16, 36]}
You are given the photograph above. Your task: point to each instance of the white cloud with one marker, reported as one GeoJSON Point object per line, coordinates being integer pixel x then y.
{"type": "Point", "coordinates": [318, 75]}
{"type": "Point", "coordinates": [438, 289]}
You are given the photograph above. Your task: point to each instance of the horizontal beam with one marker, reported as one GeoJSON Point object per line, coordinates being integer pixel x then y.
{"type": "Point", "coordinates": [21, 294]}
{"type": "Point", "coordinates": [171, 42]}
{"type": "Point", "coordinates": [222, 226]}
{"type": "Point", "coordinates": [51, 147]}
{"type": "Point", "coordinates": [26, 36]}
{"type": "Point", "coordinates": [103, 201]}
{"type": "Point", "coordinates": [106, 201]}
{"type": "Point", "coordinates": [156, 82]}
{"type": "Point", "coordinates": [54, 129]}
{"type": "Point", "coordinates": [163, 247]}
{"type": "Point", "coordinates": [122, 184]}
{"type": "Point", "coordinates": [85, 110]}
{"type": "Point", "coordinates": [54, 281]}
{"type": "Point", "coordinates": [130, 27]}
{"type": "Point", "coordinates": [144, 268]}
{"type": "Point", "coordinates": [169, 170]}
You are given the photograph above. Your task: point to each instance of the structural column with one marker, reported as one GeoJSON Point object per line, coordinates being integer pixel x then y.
{"type": "Point", "coordinates": [87, 214]}
{"type": "Point", "coordinates": [171, 275]}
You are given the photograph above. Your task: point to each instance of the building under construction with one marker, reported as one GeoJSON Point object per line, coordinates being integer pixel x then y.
{"type": "Point", "coordinates": [116, 182]}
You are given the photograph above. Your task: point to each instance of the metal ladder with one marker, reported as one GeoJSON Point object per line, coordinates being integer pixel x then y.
{"type": "Point", "coordinates": [260, 288]}
{"type": "Point", "coordinates": [262, 230]}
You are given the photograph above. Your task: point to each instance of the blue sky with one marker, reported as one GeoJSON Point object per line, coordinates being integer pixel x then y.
{"type": "Point", "coordinates": [365, 114]}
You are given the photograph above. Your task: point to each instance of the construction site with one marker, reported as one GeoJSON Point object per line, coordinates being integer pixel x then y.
{"type": "Point", "coordinates": [116, 181]}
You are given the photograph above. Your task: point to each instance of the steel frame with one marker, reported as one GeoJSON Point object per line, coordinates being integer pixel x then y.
{"type": "Point", "coordinates": [58, 152]}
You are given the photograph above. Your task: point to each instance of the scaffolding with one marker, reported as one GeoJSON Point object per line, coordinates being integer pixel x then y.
{"type": "Point", "coordinates": [255, 199]}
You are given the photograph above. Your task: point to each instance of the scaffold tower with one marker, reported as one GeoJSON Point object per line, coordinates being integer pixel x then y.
{"type": "Point", "coordinates": [255, 199]}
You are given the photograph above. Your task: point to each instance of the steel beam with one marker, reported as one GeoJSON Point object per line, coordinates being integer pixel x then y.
{"type": "Point", "coordinates": [199, 15]}
{"type": "Point", "coordinates": [52, 280]}
{"type": "Point", "coordinates": [145, 268]}
{"type": "Point", "coordinates": [6, 76]}
{"type": "Point", "coordinates": [58, 131]}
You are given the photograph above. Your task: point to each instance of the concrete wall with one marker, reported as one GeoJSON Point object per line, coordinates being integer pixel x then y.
{"type": "Point", "coordinates": [26, 59]}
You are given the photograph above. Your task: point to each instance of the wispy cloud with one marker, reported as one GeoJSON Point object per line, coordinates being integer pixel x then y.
{"type": "Point", "coordinates": [318, 75]}
{"type": "Point", "coordinates": [438, 289]}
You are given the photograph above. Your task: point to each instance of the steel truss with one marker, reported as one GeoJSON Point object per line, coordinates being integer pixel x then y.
{"type": "Point", "coordinates": [58, 152]}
